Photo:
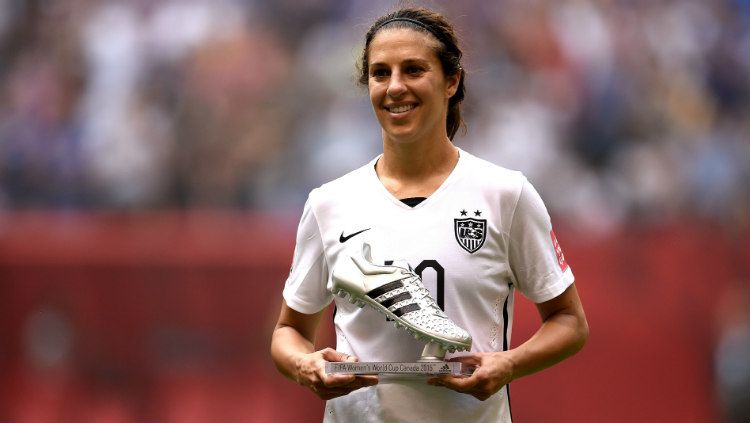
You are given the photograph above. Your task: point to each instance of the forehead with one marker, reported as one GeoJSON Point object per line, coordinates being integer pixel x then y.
{"type": "Point", "coordinates": [402, 44]}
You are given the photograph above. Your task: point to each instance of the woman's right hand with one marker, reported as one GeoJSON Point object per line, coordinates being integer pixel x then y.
{"type": "Point", "coordinates": [312, 374]}
{"type": "Point", "coordinates": [293, 352]}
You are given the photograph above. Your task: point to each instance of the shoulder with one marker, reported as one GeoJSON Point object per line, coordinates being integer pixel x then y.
{"type": "Point", "coordinates": [493, 178]}
{"type": "Point", "coordinates": [342, 187]}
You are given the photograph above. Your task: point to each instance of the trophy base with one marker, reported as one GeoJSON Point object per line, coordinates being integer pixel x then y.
{"type": "Point", "coordinates": [431, 363]}
{"type": "Point", "coordinates": [427, 368]}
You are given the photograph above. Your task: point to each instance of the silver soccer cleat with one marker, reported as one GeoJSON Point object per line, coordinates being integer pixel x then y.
{"type": "Point", "coordinates": [398, 293]}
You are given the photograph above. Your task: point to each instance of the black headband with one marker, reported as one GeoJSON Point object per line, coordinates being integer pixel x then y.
{"type": "Point", "coordinates": [440, 37]}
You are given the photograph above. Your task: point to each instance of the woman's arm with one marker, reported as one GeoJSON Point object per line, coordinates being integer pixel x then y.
{"type": "Point", "coordinates": [293, 352]}
{"type": "Point", "coordinates": [563, 332]}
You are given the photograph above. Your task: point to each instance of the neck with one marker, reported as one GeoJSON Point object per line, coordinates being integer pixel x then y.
{"type": "Point", "coordinates": [416, 169]}
{"type": "Point", "coordinates": [417, 159]}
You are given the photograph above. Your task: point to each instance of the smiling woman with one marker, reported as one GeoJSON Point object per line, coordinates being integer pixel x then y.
{"type": "Point", "coordinates": [440, 37]}
{"type": "Point", "coordinates": [406, 213]}
{"type": "Point", "coordinates": [408, 89]}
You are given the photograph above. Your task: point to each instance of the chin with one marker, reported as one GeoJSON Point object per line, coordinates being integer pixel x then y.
{"type": "Point", "coordinates": [401, 136]}
{"type": "Point", "coordinates": [400, 132]}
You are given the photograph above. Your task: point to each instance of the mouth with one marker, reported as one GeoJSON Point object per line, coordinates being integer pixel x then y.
{"type": "Point", "coordinates": [401, 108]}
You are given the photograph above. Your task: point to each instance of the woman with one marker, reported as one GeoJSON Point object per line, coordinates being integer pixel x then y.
{"type": "Point", "coordinates": [475, 232]}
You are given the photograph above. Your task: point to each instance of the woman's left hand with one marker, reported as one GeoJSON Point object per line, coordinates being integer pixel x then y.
{"type": "Point", "coordinates": [493, 371]}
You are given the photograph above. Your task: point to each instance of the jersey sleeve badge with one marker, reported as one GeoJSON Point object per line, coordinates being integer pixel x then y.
{"type": "Point", "coordinates": [558, 251]}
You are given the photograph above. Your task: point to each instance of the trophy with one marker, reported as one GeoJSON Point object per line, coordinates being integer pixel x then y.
{"type": "Point", "coordinates": [397, 292]}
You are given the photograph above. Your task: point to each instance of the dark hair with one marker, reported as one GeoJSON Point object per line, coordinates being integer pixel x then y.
{"type": "Point", "coordinates": [448, 52]}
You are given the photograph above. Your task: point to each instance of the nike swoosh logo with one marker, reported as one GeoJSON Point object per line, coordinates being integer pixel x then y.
{"type": "Point", "coordinates": [343, 239]}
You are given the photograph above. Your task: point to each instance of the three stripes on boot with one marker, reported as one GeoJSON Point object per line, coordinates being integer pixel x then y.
{"type": "Point", "coordinates": [387, 303]}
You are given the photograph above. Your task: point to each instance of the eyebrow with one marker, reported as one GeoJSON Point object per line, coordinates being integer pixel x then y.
{"type": "Point", "coordinates": [406, 62]}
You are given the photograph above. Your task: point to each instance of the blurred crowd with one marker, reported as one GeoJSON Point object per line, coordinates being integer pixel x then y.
{"type": "Point", "coordinates": [616, 110]}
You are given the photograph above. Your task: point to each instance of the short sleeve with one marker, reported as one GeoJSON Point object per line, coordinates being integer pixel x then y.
{"type": "Point", "coordinates": [305, 290]}
{"type": "Point", "coordinates": [535, 257]}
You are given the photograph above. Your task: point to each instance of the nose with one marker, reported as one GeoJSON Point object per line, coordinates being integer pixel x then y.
{"type": "Point", "coordinates": [396, 87]}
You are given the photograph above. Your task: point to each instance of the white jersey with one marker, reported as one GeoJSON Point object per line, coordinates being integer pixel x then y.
{"type": "Point", "coordinates": [484, 233]}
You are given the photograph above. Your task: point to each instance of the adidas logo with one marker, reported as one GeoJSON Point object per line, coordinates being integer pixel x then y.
{"type": "Point", "coordinates": [445, 368]}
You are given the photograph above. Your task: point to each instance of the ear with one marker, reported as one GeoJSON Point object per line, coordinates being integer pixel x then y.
{"type": "Point", "coordinates": [452, 85]}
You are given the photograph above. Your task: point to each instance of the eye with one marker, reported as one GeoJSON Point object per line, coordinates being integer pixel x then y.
{"type": "Point", "coordinates": [378, 73]}
{"type": "Point", "coordinates": [414, 70]}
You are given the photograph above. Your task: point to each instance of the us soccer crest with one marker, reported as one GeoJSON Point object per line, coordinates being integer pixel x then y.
{"type": "Point", "coordinates": [470, 232]}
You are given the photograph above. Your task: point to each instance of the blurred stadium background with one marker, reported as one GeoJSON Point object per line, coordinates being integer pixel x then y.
{"type": "Point", "coordinates": [155, 156]}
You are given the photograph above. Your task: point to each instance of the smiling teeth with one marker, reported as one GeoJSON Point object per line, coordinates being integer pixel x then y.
{"type": "Point", "coordinates": [401, 109]}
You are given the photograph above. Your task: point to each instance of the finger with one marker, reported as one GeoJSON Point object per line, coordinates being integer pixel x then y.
{"type": "Point", "coordinates": [328, 393]}
{"type": "Point", "coordinates": [341, 380]}
{"type": "Point", "coordinates": [361, 382]}
{"type": "Point", "coordinates": [329, 354]}
{"type": "Point", "coordinates": [439, 379]}
{"type": "Point", "coordinates": [473, 359]}
{"type": "Point", "coordinates": [338, 379]}
{"type": "Point", "coordinates": [368, 380]}
{"type": "Point", "coordinates": [460, 384]}
{"type": "Point", "coordinates": [481, 396]}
